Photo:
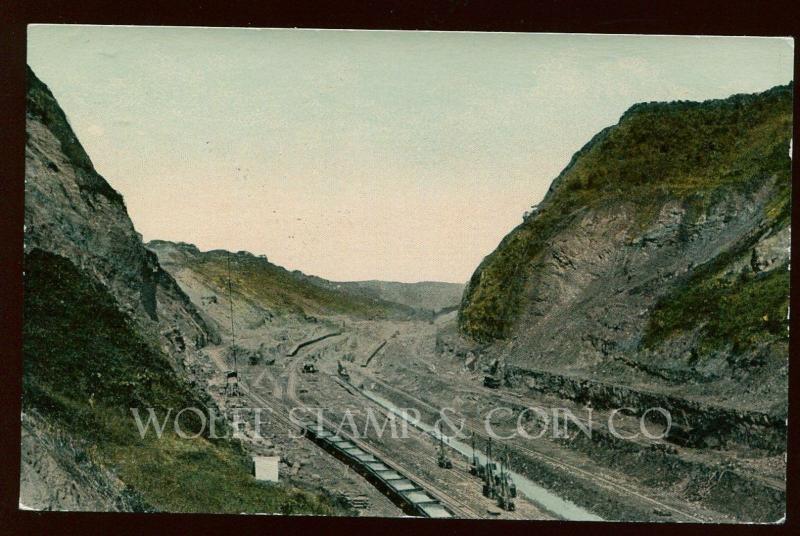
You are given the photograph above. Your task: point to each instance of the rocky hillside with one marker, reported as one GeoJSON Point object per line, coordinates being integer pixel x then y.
{"type": "Point", "coordinates": [273, 288]}
{"type": "Point", "coordinates": [106, 329]}
{"type": "Point", "coordinates": [658, 259]}
{"type": "Point", "coordinates": [72, 211]}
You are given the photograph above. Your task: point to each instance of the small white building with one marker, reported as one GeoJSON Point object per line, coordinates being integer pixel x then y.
{"type": "Point", "coordinates": [266, 468]}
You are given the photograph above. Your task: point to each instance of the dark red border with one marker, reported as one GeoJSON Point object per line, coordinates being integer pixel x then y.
{"type": "Point", "coordinates": [731, 17]}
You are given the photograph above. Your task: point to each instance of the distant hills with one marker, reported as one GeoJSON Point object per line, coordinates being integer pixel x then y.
{"type": "Point", "coordinates": [427, 295]}
{"type": "Point", "coordinates": [293, 292]}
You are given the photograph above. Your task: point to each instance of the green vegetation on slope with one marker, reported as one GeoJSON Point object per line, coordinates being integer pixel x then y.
{"type": "Point", "coordinates": [275, 287]}
{"type": "Point", "coordinates": [85, 366]}
{"type": "Point", "coordinates": [691, 152]}
{"type": "Point", "coordinates": [743, 311]}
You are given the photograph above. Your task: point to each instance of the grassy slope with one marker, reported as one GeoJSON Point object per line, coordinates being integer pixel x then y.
{"type": "Point", "coordinates": [284, 291]}
{"type": "Point", "coordinates": [692, 152]}
{"type": "Point", "coordinates": [742, 311]}
{"type": "Point", "coordinates": [85, 365]}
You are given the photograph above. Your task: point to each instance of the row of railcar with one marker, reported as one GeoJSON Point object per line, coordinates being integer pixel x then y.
{"type": "Point", "coordinates": [404, 492]}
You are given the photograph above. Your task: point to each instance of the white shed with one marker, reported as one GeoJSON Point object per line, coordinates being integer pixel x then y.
{"type": "Point", "coordinates": [266, 468]}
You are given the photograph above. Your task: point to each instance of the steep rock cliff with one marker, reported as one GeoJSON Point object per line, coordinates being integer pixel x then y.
{"type": "Point", "coordinates": [105, 330]}
{"type": "Point", "coordinates": [70, 210]}
{"type": "Point", "coordinates": [658, 259]}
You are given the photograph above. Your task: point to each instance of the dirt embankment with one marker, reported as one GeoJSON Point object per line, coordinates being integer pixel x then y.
{"type": "Point", "coordinates": [57, 473]}
{"type": "Point", "coordinates": [700, 425]}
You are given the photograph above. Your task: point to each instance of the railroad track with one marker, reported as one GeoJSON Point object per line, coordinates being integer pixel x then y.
{"type": "Point", "coordinates": [412, 450]}
{"type": "Point", "coordinates": [455, 504]}
{"type": "Point", "coordinates": [451, 503]}
{"type": "Point", "coordinates": [449, 492]}
{"type": "Point", "coordinates": [604, 482]}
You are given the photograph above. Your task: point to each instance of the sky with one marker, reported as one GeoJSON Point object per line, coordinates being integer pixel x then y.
{"type": "Point", "coordinates": [354, 155]}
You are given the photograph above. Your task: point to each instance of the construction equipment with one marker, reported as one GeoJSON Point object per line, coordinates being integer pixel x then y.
{"type": "Point", "coordinates": [493, 375]}
{"type": "Point", "coordinates": [231, 383]}
{"type": "Point", "coordinates": [497, 485]}
{"type": "Point", "coordinates": [474, 465]}
{"type": "Point", "coordinates": [442, 460]}
{"type": "Point", "coordinates": [342, 371]}
{"type": "Point", "coordinates": [489, 484]}
{"type": "Point", "coordinates": [492, 378]}
{"type": "Point", "coordinates": [491, 382]}
{"type": "Point", "coordinates": [503, 489]}
{"type": "Point", "coordinates": [512, 488]}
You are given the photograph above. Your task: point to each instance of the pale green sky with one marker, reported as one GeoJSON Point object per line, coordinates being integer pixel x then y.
{"type": "Point", "coordinates": [361, 155]}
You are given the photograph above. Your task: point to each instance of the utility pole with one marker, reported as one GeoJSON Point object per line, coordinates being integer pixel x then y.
{"type": "Point", "coordinates": [488, 486]}
{"type": "Point", "coordinates": [504, 500]}
{"type": "Point", "coordinates": [443, 461]}
{"type": "Point", "coordinates": [473, 466]}
{"type": "Point", "coordinates": [232, 376]}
